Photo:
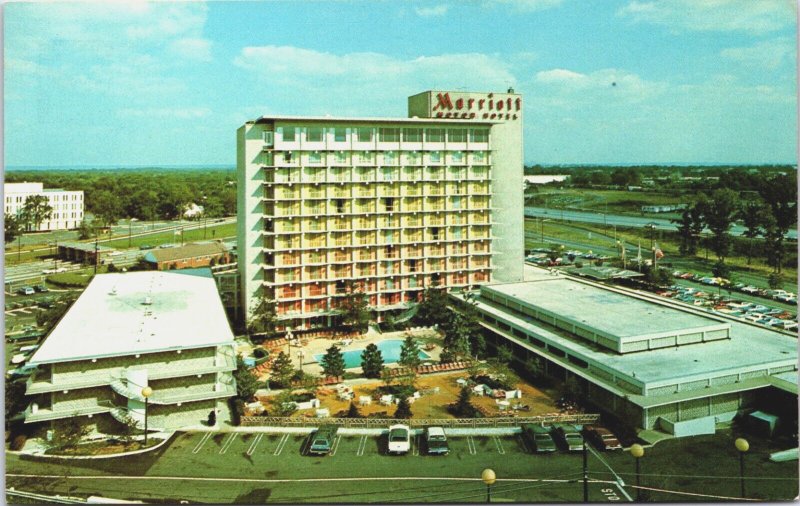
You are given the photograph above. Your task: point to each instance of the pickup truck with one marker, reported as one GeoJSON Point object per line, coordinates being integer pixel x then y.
{"type": "Point", "coordinates": [436, 441]}
{"type": "Point", "coordinates": [323, 440]}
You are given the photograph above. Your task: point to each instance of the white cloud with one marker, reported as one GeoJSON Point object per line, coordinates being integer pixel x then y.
{"type": "Point", "coordinates": [527, 5]}
{"type": "Point", "coordinates": [195, 49]}
{"type": "Point", "coordinates": [559, 76]}
{"type": "Point", "coordinates": [569, 87]}
{"type": "Point", "coordinates": [752, 16]}
{"type": "Point", "coordinates": [427, 12]}
{"type": "Point", "coordinates": [768, 54]}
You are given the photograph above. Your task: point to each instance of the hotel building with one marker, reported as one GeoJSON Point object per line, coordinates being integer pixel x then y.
{"type": "Point", "coordinates": [389, 205]}
{"type": "Point", "coordinates": [67, 205]}
{"type": "Point", "coordinates": [163, 330]}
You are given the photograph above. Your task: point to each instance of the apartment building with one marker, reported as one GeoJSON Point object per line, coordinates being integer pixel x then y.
{"type": "Point", "coordinates": [388, 206]}
{"type": "Point", "coordinates": [166, 330]}
{"type": "Point", "coordinates": [67, 205]}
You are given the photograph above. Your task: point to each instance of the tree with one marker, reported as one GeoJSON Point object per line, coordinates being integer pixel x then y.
{"type": "Point", "coordinates": [433, 308]}
{"type": "Point", "coordinates": [403, 409]}
{"type": "Point", "coordinates": [773, 243]}
{"type": "Point", "coordinates": [355, 311]}
{"type": "Point", "coordinates": [47, 318]}
{"type": "Point", "coordinates": [68, 433]}
{"type": "Point", "coordinates": [775, 280]}
{"type": "Point", "coordinates": [409, 353]}
{"type": "Point", "coordinates": [780, 193]}
{"type": "Point", "coordinates": [371, 361]}
{"type": "Point", "coordinates": [463, 408]}
{"type": "Point", "coordinates": [504, 354]}
{"type": "Point", "coordinates": [13, 228]}
{"type": "Point", "coordinates": [333, 362]}
{"type": "Point", "coordinates": [719, 214]}
{"type": "Point", "coordinates": [264, 319]}
{"type": "Point", "coordinates": [85, 230]}
{"type": "Point", "coordinates": [690, 225]}
{"type": "Point", "coordinates": [573, 389]}
{"type": "Point", "coordinates": [353, 411]}
{"type": "Point", "coordinates": [282, 370]}
{"type": "Point", "coordinates": [107, 208]}
{"type": "Point", "coordinates": [555, 252]}
{"type": "Point", "coordinates": [721, 270]}
{"type": "Point", "coordinates": [752, 215]}
{"type": "Point", "coordinates": [456, 339]}
{"type": "Point", "coordinates": [15, 399]}
{"type": "Point", "coordinates": [284, 404]}
{"type": "Point", "coordinates": [246, 382]}
{"type": "Point", "coordinates": [35, 210]}
{"type": "Point", "coordinates": [534, 367]}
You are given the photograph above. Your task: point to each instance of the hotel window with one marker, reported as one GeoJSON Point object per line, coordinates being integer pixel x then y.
{"type": "Point", "coordinates": [266, 158]}
{"type": "Point", "coordinates": [314, 134]}
{"type": "Point", "coordinates": [389, 134]}
{"type": "Point", "coordinates": [456, 202]}
{"type": "Point", "coordinates": [388, 204]}
{"type": "Point", "coordinates": [478, 135]}
{"type": "Point", "coordinates": [435, 157]}
{"type": "Point", "coordinates": [315, 158]}
{"type": "Point", "coordinates": [364, 134]}
{"type": "Point", "coordinates": [340, 134]}
{"type": "Point", "coordinates": [412, 266]}
{"type": "Point", "coordinates": [412, 158]}
{"type": "Point", "coordinates": [390, 174]}
{"type": "Point", "coordinates": [390, 158]}
{"type": "Point", "coordinates": [478, 157]}
{"type": "Point", "coordinates": [365, 158]}
{"type": "Point", "coordinates": [289, 134]}
{"type": "Point", "coordinates": [435, 233]}
{"type": "Point", "coordinates": [457, 135]}
{"type": "Point", "coordinates": [341, 157]}
{"type": "Point", "coordinates": [390, 252]}
{"type": "Point", "coordinates": [457, 156]}
{"type": "Point", "coordinates": [287, 157]}
{"type": "Point", "coordinates": [412, 135]}
{"type": "Point", "coordinates": [388, 236]}
{"type": "Point", "coordinates": [339, 204]}
{"type": "Point", "coordinates": [434, 135]}
{"type": "Point", "coordinates": [457, 232]}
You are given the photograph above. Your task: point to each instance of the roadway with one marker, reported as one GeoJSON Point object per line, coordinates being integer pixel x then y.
{"type": "Point", "coordinates": [619, 220]}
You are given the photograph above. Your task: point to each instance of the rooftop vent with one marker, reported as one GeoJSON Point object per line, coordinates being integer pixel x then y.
{"type": "Point", "coordinates": [147, 301]}
{"type": "Point", "coordinates": [113, 291]}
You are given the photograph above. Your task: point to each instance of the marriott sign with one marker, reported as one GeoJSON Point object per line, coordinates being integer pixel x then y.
{"type": "Point", "coordinates": [476, 107]}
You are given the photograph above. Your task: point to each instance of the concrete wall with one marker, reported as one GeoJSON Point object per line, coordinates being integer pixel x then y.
{"type": "Point", "coordinates": [250, 223]}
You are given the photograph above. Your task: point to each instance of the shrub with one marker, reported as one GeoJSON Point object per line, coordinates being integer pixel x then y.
{"type": "Point", "coordinates": [18, 442]}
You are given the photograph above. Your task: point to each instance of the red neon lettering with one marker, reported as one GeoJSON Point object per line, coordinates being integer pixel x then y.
{"type": "Point", "coordinates": [470, 102]}
{"type": "Point", "coordinates": [480, 103]}
{"type": "Point", "coordinates": [500, 105]}
{"type": "Point", "coordinates": [460, 103]}
{"type": "Point", "coordinates": [519, 103]}
{"type": "Point", "coordinates": [444, 101]}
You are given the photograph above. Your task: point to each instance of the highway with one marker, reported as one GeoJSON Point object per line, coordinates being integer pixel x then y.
{"type": "Point", "coordinates": [618, 220]}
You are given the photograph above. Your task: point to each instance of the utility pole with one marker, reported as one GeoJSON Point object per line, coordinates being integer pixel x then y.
{"type": "Point", "coordinates": [585, 474]}
{"type": "Point", "coordinates": [95, 251]}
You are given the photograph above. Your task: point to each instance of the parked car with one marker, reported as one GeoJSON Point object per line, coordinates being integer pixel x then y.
{"type": "Point", "coordinates": [436, 441]}
{"type": "Point", "coordinates": [323, 440]}
{"type": "Point", "coordinates": [399, 439]}
{"type": "Point", "coordinates": [568, 436]}
{"type": "Point", "coordinates": [41, 288]}
{"type": "Point", "coordinates": [26, 290]}
{"type": "Point", "coordinates": [145, 246]}
{"type": "Point", "coordinates": [601, 437]}
{"type": "Point", "coordinates": [750, 289]}
{"type": "Point", "coordinates": [539, 438]}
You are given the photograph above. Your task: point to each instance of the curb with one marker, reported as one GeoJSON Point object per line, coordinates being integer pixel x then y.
{"type": "Point", "coordinates": [89, 457]}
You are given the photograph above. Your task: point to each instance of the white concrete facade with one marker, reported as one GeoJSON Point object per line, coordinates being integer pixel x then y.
{"type": "Point", "coordinates": [67, 205]}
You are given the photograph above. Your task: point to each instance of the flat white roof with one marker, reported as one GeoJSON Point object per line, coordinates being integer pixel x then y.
{"type": "Point", "coordinates": [111, 317]}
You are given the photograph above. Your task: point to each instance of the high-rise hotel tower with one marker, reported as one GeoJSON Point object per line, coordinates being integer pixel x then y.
{"type": "Point", "coordinates": [388, 206]}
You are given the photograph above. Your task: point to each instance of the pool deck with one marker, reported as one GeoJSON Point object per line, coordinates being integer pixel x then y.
{"type": "Point", "coordinates": [318, 346]}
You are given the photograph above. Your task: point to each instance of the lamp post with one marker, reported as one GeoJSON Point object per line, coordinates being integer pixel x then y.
{"type": "Point", "coordinates": [130, 223]}
{"type": "Point", "coordinates": [146, 393]}
{"type": "Point", "coordinates": [488, 478]}
{"type": "Point", "coordinates": [638, 452]}
{"type": "Point", "coordinates": [300, 355]}
{"type": "Point", "coordinates": [742, 445]}
{"type": "Point", "coordinates": [585, 474]}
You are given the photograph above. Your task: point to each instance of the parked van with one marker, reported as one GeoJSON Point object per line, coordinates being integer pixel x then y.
{"type": "Point", "coordinates": [323, 440]}
{"type": "Point", "coordinates": [399, 439]}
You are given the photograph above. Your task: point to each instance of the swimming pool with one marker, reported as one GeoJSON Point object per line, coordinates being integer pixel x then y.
{"type": "Point", "coordinates": [390, 351]}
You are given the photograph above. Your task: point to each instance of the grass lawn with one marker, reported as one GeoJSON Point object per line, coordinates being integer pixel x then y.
{"type": "Point", "coordinates": [212, 232]}
{"type": "Point", "coordinates": [247, 468]}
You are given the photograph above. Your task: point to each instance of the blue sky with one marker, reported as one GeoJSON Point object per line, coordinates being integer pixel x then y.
{"type": "Point", "coordinates": [604, 81]}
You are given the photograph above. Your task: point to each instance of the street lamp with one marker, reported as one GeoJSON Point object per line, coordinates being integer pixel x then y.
{"type": "Point", "coordinates": [742, 445]}
{"type": "Point", "coordinates": [300, 355]}
{"type": "Point", "coordinates": [638, 452]}
{"type": "Point", "coordinates": [488, 478]}
{"type": "Point", "coordinates": [146, 393]}
{"type": "Point", "coordinates": [130, 223]}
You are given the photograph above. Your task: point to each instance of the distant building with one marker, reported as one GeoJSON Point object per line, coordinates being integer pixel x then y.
{"type": "Point", "coordinates": [67, 205]}
{"type": "Point", "coordinates": [544, 179]}
{"type": "Point", "coordinates": [654, 363]}
{"type": "Point", "coordinates": [664, 208]}
{"type": "Point", "coordinates": [163, 330]}
{"type": "Point", "coordinates": [188, 256]}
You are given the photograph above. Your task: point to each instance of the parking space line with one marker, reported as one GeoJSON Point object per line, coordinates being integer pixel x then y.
{"type": "Point", "coordinates": [362, 445]}
{"type": "Point", "coordinates": [471, 444]}
{"type": "Point", "coordinates": [202, 441]}
{"type": "Point", "coordinates": [281, 444]}
{"type": "Point", "coordinates": [255, 442]}
{"type": "Point", "coordinates": [499, 445]}
{"type": "Point", "coordinates": [227, 444]}
{"type": "Point", "coordinates": [306, 444]}
{"type": "Point", "coordinates": [335, 445]}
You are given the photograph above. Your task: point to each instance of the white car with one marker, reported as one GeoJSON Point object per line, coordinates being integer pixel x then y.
{"type": "Point", "coordinates": [399, 439]}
